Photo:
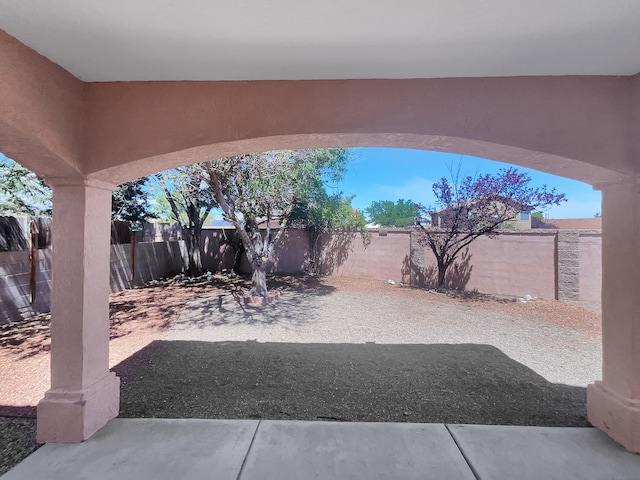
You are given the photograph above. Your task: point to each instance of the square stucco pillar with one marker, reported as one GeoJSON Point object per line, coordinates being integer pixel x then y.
{"type": "Point", "coordinates": [613, 403]}
{"type": "Point", "coordinates": [84, 394]}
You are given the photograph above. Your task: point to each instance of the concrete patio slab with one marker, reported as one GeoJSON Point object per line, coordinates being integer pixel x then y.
{"type": "Point", "coordinates": [159, 449]}
{"type": "Point", "coordinates": [532, 453]}
{"type": "Point", "coordinates": [142, 449]}
{"type": "Point", "coordinates": [330, 450]}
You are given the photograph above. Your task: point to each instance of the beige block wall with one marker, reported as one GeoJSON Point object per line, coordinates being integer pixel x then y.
{"type": "Point", "coordinates": [215, 255]}
{"type": "Point", "coordinates": [384, 257]}
{"type": "Point", "coordinates": [515, 263]}
{"type": "Point", "coordinates": [590, 270]}
{"type": "Point", "coordinates": [15, 290]}
{"type": "Point", "coordinates": [511, 264]}
{"type": "Point", "coordinates": [291, 252]}
{"type": "Point", "coordinates": [153, 261]}
{"type": "Point", "coordinates": [290, 255]}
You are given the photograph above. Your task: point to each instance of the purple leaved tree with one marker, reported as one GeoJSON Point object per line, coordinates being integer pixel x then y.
{"type": "Point", "coordinates": [469, 207]}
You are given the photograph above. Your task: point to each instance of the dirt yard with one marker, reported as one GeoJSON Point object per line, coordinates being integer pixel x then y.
{"type": "Point", "coordinates": [335, 348]}
{"type": "Point", "coordinates": [557, 340]}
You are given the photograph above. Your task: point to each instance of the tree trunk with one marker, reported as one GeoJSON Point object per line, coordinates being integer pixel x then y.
{"type": "Point", "coordinates": [237, 259]}
{"type": "Point", "coordinates": [259, 279]}
{"type": "Point", "coordinates": [192, 241]}
{"type": "Point", "coordinates": [442, 271]}
{"type": "Point", "coordinates": [238, 252]}
{"type": "Point", "coordinates": [314, 257]}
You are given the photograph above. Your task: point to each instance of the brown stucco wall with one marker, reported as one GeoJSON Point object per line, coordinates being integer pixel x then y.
{"type": "Point", "coordinates": [590, 270]}
{"type": "Point", "coordinates": [59, 126]}
{"type": "Point", "coordinates": [290, 252]}
{"type": "Point", "coordinates": [15, 291]}
{"type": "Point", "coordinates": [153, 261]}
{"type": "Point", "coordinates": [515, 263]}
{"type": "Point", "coordinates": [166, 124]}
{"type": "Point", "coordinates": [42, 112]}
{"type": "Point", "coordinates": [383, 256]}
{"type": "Point", "coordinates": [512, 264]}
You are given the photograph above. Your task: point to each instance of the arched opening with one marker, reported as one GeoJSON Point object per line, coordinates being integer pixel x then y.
{"type": "Point", "coordinates": [544, 162]}
{"type": "Point", "coordinates": [473, 349]}
{"type": "Point", "coordinates": [100, 134]}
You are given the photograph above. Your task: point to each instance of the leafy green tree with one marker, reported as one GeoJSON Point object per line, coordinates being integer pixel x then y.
{"type": "Point", "coordinates": [159, 205]}
{"type": "Point", "coordinates": [470, 207]}
{"type": "Point", "coordinates": [130, 202]}
{"type": "Point", "coordinates": [389, 214]}
{"type": "Point", "coordinates": [22, 191]}
{"type": "Point", "coordinates": [186, 191]}
{"type": "Point", "coordinates": [326, 213]}
{"type": "Point", "coordinates": [258, 192]}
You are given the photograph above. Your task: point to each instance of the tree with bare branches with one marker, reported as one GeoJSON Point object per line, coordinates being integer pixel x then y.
{"type": "Point", "coordinates": [470, 207]}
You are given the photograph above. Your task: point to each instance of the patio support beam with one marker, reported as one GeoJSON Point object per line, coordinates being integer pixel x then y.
{"type": "Point", "coordinates": [614, 402]}
{"type": "Point", "coordinates": [84, 394]}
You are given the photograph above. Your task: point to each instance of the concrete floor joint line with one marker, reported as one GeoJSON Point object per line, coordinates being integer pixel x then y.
{"type": "Point", "coordinates": [473, 470]}
{"type": "Point", "coordinates": [246, 455]}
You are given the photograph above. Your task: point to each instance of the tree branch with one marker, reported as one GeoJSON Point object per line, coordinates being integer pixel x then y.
{"type": "Point", "coordinates": [174, 208]}
{"type": "Point", "coordinates": [231, 215]}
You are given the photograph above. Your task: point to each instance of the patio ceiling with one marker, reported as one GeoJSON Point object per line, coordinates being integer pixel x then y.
{"type": "Point", "coordinates": [122, 40]}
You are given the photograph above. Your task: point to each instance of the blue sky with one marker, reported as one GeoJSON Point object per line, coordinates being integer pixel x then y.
{"type": "Point", "coordinates": [392, 173]}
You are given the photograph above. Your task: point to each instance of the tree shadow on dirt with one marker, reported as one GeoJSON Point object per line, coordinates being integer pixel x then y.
{"type": "Point", "coordinates": [296, 306]}
{"type": "Point", "coordinates": [290, 309]}
{"type": "Point", "coordinates": [466, 383]}
{"type": "Point", "coordinates": [298, 283]}
{"type": "Point", "coordinates": [158, 306]}
{"type": "Point", "coordinates": [27, 338]}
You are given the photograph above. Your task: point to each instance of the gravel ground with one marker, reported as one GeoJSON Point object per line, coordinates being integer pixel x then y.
{"type": "Point", "coordinates": [560, 342]}
{"type": "Point", "coordinates": [332, 349]}
{"type": "Point", "coordinates": [17, 440]}
{"type": "Point", "coordinates": [442, 383]}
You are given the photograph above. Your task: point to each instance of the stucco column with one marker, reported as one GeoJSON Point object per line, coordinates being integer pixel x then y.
{"type": "Point", "coordinates": [84, 395]}
{"type": "Point", "coordinates": [614, 402]}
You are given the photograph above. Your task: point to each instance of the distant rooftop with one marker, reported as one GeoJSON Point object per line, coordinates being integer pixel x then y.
{"type": "Point", "coordinates": [594, 223]}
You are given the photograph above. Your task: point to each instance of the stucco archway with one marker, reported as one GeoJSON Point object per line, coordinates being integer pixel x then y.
{"type": "Point", "coordinates": [84, 138]}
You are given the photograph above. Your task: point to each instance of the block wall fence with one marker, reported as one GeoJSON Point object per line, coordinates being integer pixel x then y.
{"type": "Point", "coordinates": [551, 264]}
{"type": "Point", "coordinates": [152, 261]}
